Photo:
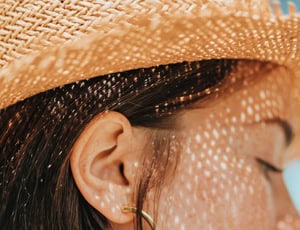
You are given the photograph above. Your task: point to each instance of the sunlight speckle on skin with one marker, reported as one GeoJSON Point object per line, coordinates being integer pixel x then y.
{"type": "Point", "coordinates": [218, 172]}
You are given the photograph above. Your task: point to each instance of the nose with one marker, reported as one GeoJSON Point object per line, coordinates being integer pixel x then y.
{"type": "Point", "coordinates": [291, 177]}
{"type": "Point", "coordinates": [291, 172]}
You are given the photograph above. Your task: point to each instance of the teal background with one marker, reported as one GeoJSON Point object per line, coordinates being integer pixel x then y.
{"type": "Point", "coordinates": [284, 5]}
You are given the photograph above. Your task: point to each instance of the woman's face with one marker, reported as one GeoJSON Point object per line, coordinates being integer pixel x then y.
{"type": "Point", "coordinates": [219, 181]}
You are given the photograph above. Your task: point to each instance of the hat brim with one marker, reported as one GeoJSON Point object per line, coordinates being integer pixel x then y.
{"type": "Point", "coordinates": [168, 41]}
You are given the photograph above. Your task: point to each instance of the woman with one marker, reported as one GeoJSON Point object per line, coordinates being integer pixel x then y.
{"type": "Point", "coordinates": [199, 144]}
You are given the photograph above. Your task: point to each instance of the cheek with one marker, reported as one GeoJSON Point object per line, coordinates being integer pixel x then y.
{"type": "Point", "coordinates": [218, 190]}
{"type": "Point", "coordinates": [218, 183]}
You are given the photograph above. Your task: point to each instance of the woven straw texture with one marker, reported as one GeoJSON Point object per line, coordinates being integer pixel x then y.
{"type": "Point", "coordinates": [45, 44]}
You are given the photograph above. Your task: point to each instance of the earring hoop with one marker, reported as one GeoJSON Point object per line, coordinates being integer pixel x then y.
{"type": "Point", "coordinates": [146, 216]}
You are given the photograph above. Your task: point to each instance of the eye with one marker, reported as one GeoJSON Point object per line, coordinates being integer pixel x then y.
{"type": "Point", "coordinates": [267, 168]}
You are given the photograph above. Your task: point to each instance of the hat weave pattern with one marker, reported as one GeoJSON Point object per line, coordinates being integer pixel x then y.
{"type": "Point", "coordinates": [45, 44]}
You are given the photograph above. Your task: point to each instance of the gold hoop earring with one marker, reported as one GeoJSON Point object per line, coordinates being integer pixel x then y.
{"type": "Point", "coordinates": [146, 216]}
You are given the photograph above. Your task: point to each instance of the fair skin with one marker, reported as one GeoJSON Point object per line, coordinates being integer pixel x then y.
{"type": "Point", "coordinates": [218, 183]}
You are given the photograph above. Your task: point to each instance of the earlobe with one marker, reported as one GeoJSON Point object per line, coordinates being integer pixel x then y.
{"type": "Point", "coordinates": [102, 162]}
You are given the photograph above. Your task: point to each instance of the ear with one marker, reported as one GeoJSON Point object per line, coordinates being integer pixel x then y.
{"type": "Point", "coordinates": [103, 163]}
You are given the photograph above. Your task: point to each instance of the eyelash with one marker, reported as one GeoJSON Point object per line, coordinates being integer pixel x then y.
{"type": "Point", "coordinates": [267, 167]}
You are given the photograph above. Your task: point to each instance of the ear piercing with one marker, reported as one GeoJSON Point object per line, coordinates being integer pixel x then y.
{"type": "Point", "coordinates": [146, 216]}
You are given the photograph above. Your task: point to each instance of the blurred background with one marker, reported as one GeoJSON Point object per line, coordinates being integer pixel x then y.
{"type": "Point", "coordinates": [284, 5]}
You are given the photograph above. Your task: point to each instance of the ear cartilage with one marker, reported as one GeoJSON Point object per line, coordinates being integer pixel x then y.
{"type": "Point", "coordinates": [291, 176]}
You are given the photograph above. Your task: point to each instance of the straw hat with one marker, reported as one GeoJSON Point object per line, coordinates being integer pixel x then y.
{"type": "Point", "coordinates": [45, 44]}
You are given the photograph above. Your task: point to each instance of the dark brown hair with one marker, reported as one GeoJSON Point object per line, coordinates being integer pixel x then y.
{"type": "Point", "coordinates": [37, 190]}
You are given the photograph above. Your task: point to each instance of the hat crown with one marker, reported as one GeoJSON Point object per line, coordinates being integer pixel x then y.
{"type": "Point", "coordinates": [28, 26]}
{"type": "Point", "coordinates": [45, 44]}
